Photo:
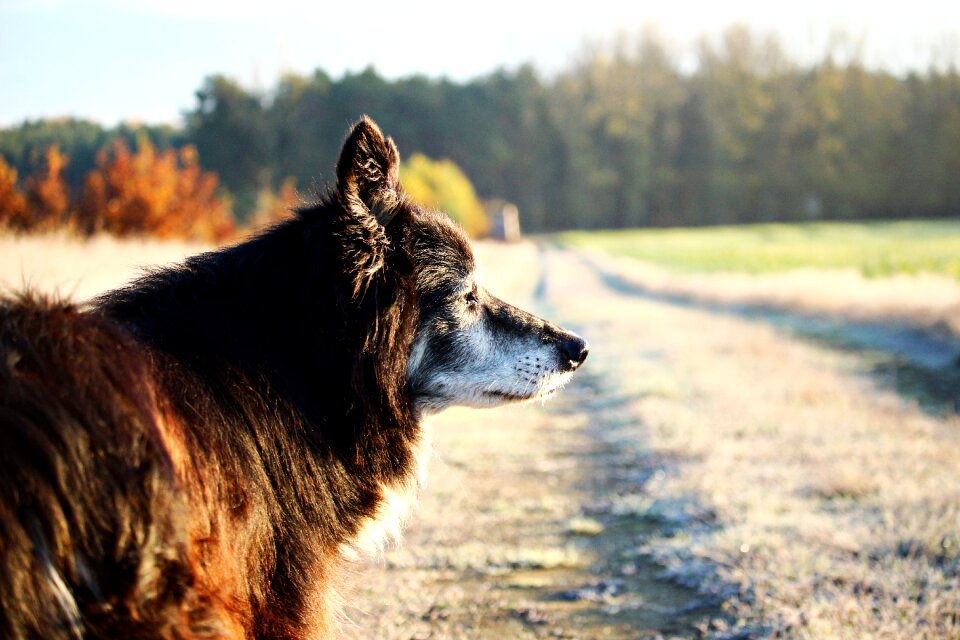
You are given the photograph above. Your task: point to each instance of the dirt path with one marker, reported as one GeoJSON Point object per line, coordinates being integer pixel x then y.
{"type": "Point", "coordinates": [763, 470]}
{"type": "Point", "coordinates": [533, 519]}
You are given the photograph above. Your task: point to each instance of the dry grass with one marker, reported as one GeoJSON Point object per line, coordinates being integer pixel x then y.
{"type": "Point", "coordinates": [78, 268]}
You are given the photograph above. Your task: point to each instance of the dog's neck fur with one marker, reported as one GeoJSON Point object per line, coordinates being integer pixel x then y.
{"type": "Point", "coordinates": [271, 332]}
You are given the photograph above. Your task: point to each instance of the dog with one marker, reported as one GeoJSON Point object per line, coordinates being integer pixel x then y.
{"type": "Point", "coordinates": [198, 454]}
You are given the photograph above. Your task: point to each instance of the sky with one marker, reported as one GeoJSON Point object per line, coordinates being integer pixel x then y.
{"type": "Point", "coordinates": [143, 60]}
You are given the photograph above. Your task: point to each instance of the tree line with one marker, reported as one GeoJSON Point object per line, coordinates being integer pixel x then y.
{"type": "Point", "coordinates": [633, 133]}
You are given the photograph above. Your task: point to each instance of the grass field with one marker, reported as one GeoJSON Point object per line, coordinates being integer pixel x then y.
{"type": "Point", "coordinates": [873, 248]}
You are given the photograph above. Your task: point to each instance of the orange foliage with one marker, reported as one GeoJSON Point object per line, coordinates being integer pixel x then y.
{"type": "Point", "coordinates": [164, 194]}
{"type": "Point", "coordinates": [13, 204]}
{"type": "Point", "coordinates": [47, 195]}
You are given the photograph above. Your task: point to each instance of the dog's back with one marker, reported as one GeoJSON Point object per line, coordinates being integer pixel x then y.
{"type": "Point", "coordinates": [85, 484]}
{"type": "Point", "coordinates": [117, 521]}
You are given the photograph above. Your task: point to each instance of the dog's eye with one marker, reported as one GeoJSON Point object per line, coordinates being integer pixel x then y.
{"type": "Point", "coordinates": [471, 298]}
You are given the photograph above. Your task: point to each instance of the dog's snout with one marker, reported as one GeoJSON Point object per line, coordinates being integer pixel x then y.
{"type": "Point", "coordinates": [575, 349]}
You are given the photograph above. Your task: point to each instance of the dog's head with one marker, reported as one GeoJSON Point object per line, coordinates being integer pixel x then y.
{"type": "Point", "coordinates": [469, 347]}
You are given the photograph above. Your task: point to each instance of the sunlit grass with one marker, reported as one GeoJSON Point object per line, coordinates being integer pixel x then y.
{"type": "Point", "coordinates": [873, 248]}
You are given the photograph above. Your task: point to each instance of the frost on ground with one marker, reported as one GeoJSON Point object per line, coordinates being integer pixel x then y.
{"type": "Point", "coordinates": [704, 475]}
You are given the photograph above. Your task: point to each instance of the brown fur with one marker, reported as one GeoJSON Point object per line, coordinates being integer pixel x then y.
{"type": "Point", "coordinates": [188, 457]}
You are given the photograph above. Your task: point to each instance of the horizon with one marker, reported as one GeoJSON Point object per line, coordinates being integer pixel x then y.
{"type": "Point", "coordinates": [112, 63]}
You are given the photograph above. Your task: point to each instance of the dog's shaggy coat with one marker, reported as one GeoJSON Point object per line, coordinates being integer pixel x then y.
{"type": "Point", "coordinates": [194, 455]}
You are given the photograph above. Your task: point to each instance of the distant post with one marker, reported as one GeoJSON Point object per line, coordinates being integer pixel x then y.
{"type": "Point", "coordinates": [504, 221]}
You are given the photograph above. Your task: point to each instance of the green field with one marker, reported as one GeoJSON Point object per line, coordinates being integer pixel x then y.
{"type": "Point", "coordinates": [874, 248]}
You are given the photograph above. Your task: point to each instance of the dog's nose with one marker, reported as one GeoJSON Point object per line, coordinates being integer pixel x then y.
{"type": "Point", "coordinates": [575, 349]}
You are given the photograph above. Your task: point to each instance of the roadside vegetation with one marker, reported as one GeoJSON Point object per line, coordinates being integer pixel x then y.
{"type": "Point", "coordinates": [145, 192]}
{"type": "Point", "coordinates": [872, 248]}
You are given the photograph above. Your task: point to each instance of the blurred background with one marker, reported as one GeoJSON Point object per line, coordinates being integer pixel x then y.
{"type": "Point", "coordinates": [608, 117]}
{"type": "Point", "coordinates": [750, 208]}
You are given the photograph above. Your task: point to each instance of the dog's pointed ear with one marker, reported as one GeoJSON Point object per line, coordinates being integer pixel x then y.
{"type": "Point", "coordinates": [368, 172]}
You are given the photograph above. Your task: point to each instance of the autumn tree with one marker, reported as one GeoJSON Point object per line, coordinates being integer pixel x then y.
{"type": "Point", "coordinates": [149, 192]}
{"type": "Point", "coordinates": [47, 193]}
{"type": "Point", "coordinates": [13, 205]}
{"type": "Point", "coordinates": [440, 184]}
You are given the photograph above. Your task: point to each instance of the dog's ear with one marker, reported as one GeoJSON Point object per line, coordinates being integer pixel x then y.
{"type": "Point", "coordinates": [368, 172]}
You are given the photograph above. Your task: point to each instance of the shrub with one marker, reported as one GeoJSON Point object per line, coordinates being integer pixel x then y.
{"type": "Point", "coordinates": [164, 194]}
{"type": "Point", "coordinates": [13, 204]}
{"type": "Point", "coordinates": [440, 184]}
